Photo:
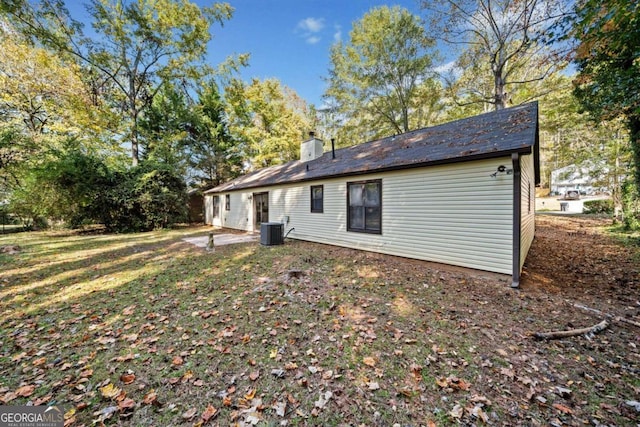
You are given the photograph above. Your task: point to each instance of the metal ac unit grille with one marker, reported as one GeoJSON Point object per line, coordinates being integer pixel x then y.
{"type": "Point", "coordinates": [271, 233]}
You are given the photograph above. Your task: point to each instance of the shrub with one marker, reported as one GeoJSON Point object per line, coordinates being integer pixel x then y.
{"type": "Point", "coordinates": [144, 198]}
{"type": "Point", "coordinates": [604, 206]}
{"type": "Point", "coordinates": [78, 189]}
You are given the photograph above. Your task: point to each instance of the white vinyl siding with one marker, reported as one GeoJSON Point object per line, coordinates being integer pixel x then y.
{"type": "Point", "coordinates": [527, 206]}
{"type": "Point", "coordinates": [455, 214]}
{"type": "Point", "coordinates": [209, 216]}
{"type": "Point", "coordinates": [240, 213]}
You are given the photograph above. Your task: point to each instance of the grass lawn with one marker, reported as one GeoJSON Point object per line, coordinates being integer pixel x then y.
{"type": "Point", "coordinates": [144, 329]}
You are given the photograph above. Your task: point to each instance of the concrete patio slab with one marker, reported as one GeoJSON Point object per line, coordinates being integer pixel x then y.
{"type": "Point", "coordinates": [222, 239]}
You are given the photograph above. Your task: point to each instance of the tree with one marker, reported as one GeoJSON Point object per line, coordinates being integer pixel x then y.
{"type": "Point", "coordinates": [608, 37]}
{"type": "Point", "coordinates": [139, 45]}
{"type": "Point", "coordinates": [270, 118]}
{"type": "Point", "coordinates": [165, 128]}
{"type": "Point", "coordinates": [39, 92]}
{"type": "Point", "coordinates": [504, 40]}
{"type": "Point", "coordinates": [214, 155]}
{"type": "Point", "coordinates": [381, 76]}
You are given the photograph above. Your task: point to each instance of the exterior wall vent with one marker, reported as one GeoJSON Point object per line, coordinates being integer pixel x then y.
{"type": "Point", "coordinates": [271, 233]}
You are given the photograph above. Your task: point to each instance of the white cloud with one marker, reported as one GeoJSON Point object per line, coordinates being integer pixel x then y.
{"type": "Point", "coordinates": [337, 35]}
{"type": "Point", "coordinates": [313, 39]}
{"type": "Point", "coordinates": [446, 68]}
{"type": "Point", "coordinates": [311, 25]}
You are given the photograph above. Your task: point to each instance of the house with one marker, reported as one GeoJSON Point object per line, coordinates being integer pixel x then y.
{"type": "Point", "coordinates": [577, 178]}
{"type": "Point", "coordinates": [460, 193]}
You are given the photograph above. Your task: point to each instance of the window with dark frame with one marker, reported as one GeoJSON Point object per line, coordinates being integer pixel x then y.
{"type": "Point", "coordinates": [364, 204]}
{"type": "Point", "coordinates": [216, 206]}
{"type": "Point", "coordinates": [317, 198]}
{"type": "Point", "coordinates": [227, 202]}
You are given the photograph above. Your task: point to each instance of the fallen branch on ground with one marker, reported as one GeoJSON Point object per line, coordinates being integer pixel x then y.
{"type": "Point", "coordinates": [572, 332]}
{"type": "Point", "coordinates": [607, 315]}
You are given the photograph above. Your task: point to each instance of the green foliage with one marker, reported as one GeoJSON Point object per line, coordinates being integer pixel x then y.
{"type": "Point", "coordinates": [270, 118]}
{"type": "Point", "coordinates": [604, 206]}
{"type": "Point", "coordinates": [214, 156]}
{"type": "Point", "coordinates": [75, 189]}
{"type": "Point", "coordinates": [138, 46]}
{"type": "Point", "coordinates": [608, 33]}
{"type": "Point", "coordinates": [631, 206]}
{"type": "Point", "coordinates": [147, 197]}
{"type": "Point", "coordinates": [380, 80]}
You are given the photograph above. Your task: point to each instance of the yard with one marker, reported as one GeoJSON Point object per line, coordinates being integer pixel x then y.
{"type": "Point", "coordinates": [146, 329]}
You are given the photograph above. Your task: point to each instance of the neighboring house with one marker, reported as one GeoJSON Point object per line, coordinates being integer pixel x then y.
{"type": "Point", "coordinates": [461, 193]}
{"type": "Point", "coordinates": [574, 178]}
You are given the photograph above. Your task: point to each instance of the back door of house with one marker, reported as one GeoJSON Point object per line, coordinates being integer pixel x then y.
{"type": "Point", "coordinates": [261, 209]}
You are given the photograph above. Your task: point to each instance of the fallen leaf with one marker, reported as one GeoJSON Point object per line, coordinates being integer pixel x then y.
{"type": "Point", "coordinates": [442, 382]}
{"type": "Point", "coordinates": [254, 375]}
{"type": "Point", "coordinates": [456, 412]}
{"type": "Point", "coordinates": [507, 372]}
{"type": "Point", "coordinates": [281, 408]}
{"type": "Point", "coordinates": [290, 366]}
{"type": "Point", "coordinates": [208, 413]}
{"type": "Point", "coordinates": [279, 373]}
{"type": "Point", "coordinates": [479, 414]}
{"type": "Point", "coordinates": [126, 404]}
{"type": "Point", "coordinates": [369, 361]}
{"type": "Point", "coordinates": [177, 361]}
{"type": "Point", "coordinates": [69, 414]}
{"type": "Point", "coordinates": [250, 394]}
{"type": "Point", "coordinates": [40, 361]}
{"type": "Point", "coordinates": [127, 378]}
{"type": "Point", "coordinates": [105, 413]}
{"type": "Point", "coordinates": [187, 376]}
{"type": "Point", "coordinates": [324, 398]}
{"type": "Point", "coordinates": [109, 391]}
{"type": "Point", "coordinates": [125, 358]}
{"type": "Point", "coordinates": [25, 391]}
{"type": "Point", "coordinates": [476, 398]}
{"type": "Point", "coordinates": [562, 408]}
{"type": "Point", "coordinates": [190, 414]}
{"type": "Point", "coordinates": [373, 385]}
{"type": "Point", "coordinates": [128, 311]}
{"type": "Point", "coordinates": [8, 397]}
{"type": "Point", "coordinates": [633, 404]}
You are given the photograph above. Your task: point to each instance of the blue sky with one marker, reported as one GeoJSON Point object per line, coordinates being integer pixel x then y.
{"type": "Point", "coordinates": [290, 40]}
{"type": "Point", "coordinates": [287, 39]}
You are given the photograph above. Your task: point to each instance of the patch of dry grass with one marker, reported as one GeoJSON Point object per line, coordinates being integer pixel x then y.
{"type": "Point", "coordinates": [146, 330]}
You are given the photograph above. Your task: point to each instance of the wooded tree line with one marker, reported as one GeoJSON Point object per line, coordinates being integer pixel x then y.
{"type": "Point", "coordinates": [115, 125]}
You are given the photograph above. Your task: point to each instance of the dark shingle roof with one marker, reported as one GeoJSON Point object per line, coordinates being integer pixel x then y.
{"type": "Point", "coordinates": [494, 134]}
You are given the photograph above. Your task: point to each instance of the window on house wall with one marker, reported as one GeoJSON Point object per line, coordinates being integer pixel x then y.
{"type": "Point", "coordinates": [216, 206]}
{"type": "Point", "coordinates": [317, 198]}
{"type": "Point", "coordinates": [364, 203]}
{"type": "Point", "coordinates": [227, 202]}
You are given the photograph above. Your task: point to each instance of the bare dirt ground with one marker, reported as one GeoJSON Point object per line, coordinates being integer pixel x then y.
{"type": "Point", "coordinates": [572, 258]}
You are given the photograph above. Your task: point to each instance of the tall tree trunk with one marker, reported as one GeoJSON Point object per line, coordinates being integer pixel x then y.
{"type": "Point", "coordinates": [500, 96]}
{"type": "Point", "coordinates": [135, 151]}
{"type": "Point", "coordinates": [633, 123]}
